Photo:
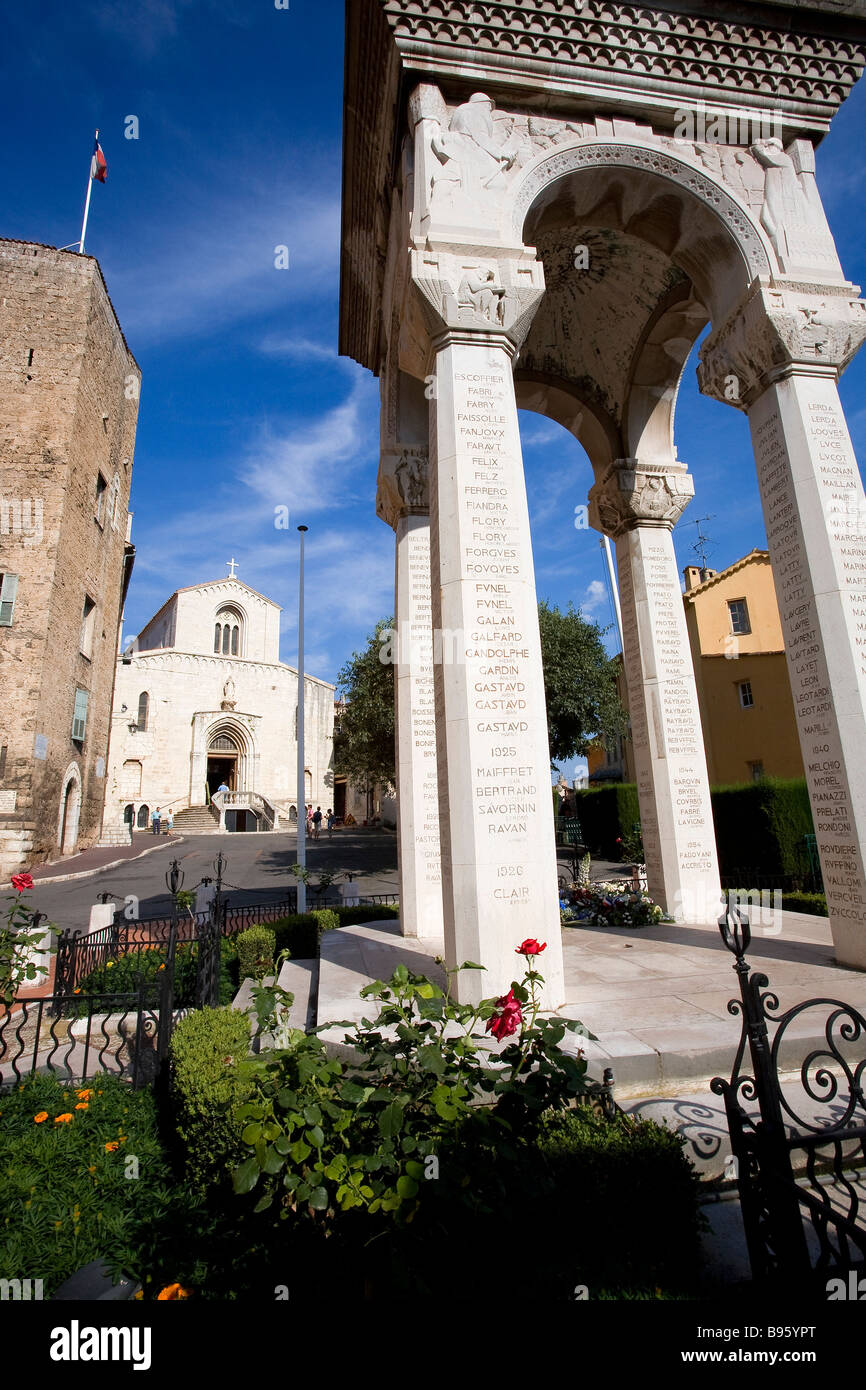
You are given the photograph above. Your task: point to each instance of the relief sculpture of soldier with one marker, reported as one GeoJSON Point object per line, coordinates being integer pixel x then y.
{"type": "Point", "coordinates": [787, 213]}
{"type": "Point", "coordinates": [473, 156]}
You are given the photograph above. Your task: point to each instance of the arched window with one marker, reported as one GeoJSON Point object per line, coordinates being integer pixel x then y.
{"type": "Point", "coordinates": [229, 632]}
{"type": "Point", "coordinates": [128, 814]}
{"type": "Point", "coordinates": [143, 703]}
{"type": "Point", "coordinates": [143, 815]}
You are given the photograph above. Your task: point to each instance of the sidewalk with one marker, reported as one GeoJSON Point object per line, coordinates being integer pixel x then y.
{"type": "Point", "coordinates": [92, 861]}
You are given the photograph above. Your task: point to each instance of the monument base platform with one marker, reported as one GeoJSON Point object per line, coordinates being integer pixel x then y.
{"type": "Point", "coordinates": [656, 997]}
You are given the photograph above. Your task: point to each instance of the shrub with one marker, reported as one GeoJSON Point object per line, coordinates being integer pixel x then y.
{"type": "Point", "coordinates": [298, 933]}
{"type": "Point", "coordinates": [366, 912]}
{"type": "Point", "coordinates": [210, 1078]}
{"type": "Point", "coordinates": [326, 918]}
{"type": "Point", "coordinates": [762, 824]}
{"type": "Point", "coordinates": [607, 815]}
{"type": "Point", "coordinates": [124, 974]}
{"type": "Point", "coordinates": [815, 903]}
{"type": "Point", "coordinates": [66, 1193]}
{"type": "Point", "coordinates": [256, 949]}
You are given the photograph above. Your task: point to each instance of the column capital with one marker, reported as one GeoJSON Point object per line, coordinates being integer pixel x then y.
{"type": "Point", "coordinates": [482, 296]}
{"type": "Point", "coordinates": [788, 329]}
{"type": "Point", "coordinates": [633, 492]}
{"type": "Point", "coordinates": [403, 488]}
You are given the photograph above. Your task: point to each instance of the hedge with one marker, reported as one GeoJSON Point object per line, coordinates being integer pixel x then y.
{"type": "Point", "coordinates": [762, 824]}
{"type": "Point", "coordinates": [606, 814]}
{"type": "Point", "coordinates": [757, 824]}
{"type": "Point", "coordinates": [210, 1078]}
{"type": "Point", "coordinates": [255, 952]}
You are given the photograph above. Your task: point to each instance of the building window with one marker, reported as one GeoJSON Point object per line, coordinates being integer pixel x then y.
{"type": "Point", "coordinates": [739, 616]}
{"type": "Point", "coordinates": [143, 815]}
{"type": "Point", "coordinates": [101, 489]}
{"type": "Point", "coordinates": [79, 716]}
{"type": "Point", "coordinates": [757, 771]}
{"type": "Point", "coordinates": [228, 632]}
{"type": "Point", "coordinates": [747, 699]}
{"type": "Point", "coordinates": [8, 590]}
{"type": "Point", "coordinates": [143, 703]}
{"type": "Point", "coordinates": [88, 622]}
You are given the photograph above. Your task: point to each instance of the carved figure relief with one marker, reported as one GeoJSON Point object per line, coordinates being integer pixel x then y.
{"type": "Point", "coordinates": [472, 155]}
{"type": "Point", "coordinates": [791, 214]}
{"type": "Point", "coordinates": [411, 477]}
{"type": "Point", "coordinates": [480, 292]}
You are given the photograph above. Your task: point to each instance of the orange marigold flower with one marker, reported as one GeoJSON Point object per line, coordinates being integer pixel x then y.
{"type": "Point", "coordinates": [111, 1146]}
{"type": "Point", "coordinates": [84, 1095]}
{"type": "Point", "coordinates": [43, 1115]}
{"type": "Point", "coordinates": [63, 1119]}
{"type": "Point", "coordinates": [82, 1105]}
{"type": "Point", "coordinates": [172, 1291]}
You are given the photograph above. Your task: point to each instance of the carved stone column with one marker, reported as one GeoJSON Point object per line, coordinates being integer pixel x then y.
{"type": "Point", "coordinates": [499, 873]}
{"type": "Point", "coordinates": [638, 505]}
{"type": "Point", "coordinates": [403, 501]}
{"type": "Point", "coordinates": [779, 357]}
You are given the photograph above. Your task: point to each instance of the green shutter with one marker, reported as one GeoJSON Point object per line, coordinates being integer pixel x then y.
{"type": "Point", "coordinates": [79, 718]}
{"type": "Point", "coordinates": [8, 590]}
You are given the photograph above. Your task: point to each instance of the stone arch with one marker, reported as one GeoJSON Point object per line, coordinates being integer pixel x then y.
{"type": "Point", "coordinates": [650, 173]}
{"type": "Point", "coordinates": [244, 743]}
{"type": "Point", "coordinates": [230, 624]}
{"type": "Point", "coordinates": [69, 811]}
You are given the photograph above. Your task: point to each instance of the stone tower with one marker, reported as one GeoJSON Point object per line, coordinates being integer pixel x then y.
{"type": "Point", "coordinates": [69, 389]}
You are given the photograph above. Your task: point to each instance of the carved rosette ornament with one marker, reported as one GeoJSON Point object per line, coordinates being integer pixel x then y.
{"type": "Point", "coordinates": [403, 485]}
{"type": "Point", "coordinates": [814, 329]}
{"type": "Point", "coordinates": [631, 493]}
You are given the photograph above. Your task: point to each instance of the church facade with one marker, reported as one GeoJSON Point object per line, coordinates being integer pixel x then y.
{"type": "Point", "coordinates": [201, 702]}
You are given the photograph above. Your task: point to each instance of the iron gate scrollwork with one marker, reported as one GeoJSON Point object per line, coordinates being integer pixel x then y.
{"type": "Point", "coordinates": [800, 1230]}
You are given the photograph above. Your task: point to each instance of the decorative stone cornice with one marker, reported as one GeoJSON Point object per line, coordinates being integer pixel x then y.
{"type": "Point", "coordinates": [775, 332]}
{"type": "Point", "coordinates": [646, 49]}
{"type": "Point", "coordinates": [632, 493]}
{"type": "Point", "coordinates": [403, 488]}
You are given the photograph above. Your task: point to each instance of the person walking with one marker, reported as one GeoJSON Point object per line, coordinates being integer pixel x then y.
{"type": "Point", "coordinates": [310, 819]}
{"type": "Point", "coordinates": [330, 822]}
{"type": "Point", "coordinates": [155, 822]}
{"type": "Point", "coordinates": [169, 822]}
{"type": "Point", "coordinates": [317, 822]}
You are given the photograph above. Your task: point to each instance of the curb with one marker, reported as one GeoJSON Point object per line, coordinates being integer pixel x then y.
{"type": "Point", "coordinates": [89, 873]}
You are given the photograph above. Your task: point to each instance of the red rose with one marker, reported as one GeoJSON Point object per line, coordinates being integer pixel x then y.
{"type": "Point", "coordinates": [504, 1024]}
{"type": "Point", "coordinates": [530, 947]}
{"type": "Point", "coordinates": [21, 881]}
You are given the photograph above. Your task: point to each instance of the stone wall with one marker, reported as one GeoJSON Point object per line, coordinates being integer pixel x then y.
{"type": "Point", "coordinates": [69, 390]}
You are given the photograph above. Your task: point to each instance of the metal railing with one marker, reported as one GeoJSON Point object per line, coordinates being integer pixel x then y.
{"type": "Point", "coordinates": [798, 1231]}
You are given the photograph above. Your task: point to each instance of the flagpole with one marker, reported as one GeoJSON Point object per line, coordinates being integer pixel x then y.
{"type": "Point", "coordinates": [87, 202]}
{"type": "Point", "coordinates": [302, 785]}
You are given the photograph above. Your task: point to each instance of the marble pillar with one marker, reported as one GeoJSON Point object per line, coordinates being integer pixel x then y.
{"type": "Point", "coordinates": [415, 726]}
{"type": "Point", "coordinates": [779, 357]}
{"type": "Point", "coordinates": [639, 505]}
{"type": "Point", "coordinates": [499, 874]}
{"type": "Point", "coordinates": [815, 515]}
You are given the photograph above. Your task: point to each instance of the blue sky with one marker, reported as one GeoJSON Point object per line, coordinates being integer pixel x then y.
{"type": "Point", "coordinates": [245, 405]}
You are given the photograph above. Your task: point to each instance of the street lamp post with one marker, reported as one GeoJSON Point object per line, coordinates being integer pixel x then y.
{"type": "Point", "coordinates": [302, 791]}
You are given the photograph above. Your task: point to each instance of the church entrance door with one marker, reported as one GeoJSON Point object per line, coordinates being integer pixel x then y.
{"type": "Point", "coordinates": [222, 768]}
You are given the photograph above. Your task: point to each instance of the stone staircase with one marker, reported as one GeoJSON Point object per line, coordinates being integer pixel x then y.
{"type": "Point", "coordinates": [195, 820]}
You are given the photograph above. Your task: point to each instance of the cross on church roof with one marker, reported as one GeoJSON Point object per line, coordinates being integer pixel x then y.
{"type": "Point", "coordinates": [232, 564]}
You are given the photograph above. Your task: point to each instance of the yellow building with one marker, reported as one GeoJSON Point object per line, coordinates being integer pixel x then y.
{"type": "Point", "coordinates": [742, 678]}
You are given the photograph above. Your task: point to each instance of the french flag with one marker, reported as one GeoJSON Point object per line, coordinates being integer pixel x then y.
{"type": "Point", "coordinates": [98, 166]}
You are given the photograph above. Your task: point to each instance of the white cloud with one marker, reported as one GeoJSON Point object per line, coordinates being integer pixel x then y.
{"type": "Point", "coordinates": [595, 598]}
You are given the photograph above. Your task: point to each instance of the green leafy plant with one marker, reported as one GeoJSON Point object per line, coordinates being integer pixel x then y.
{"type": "Point", "coordinates": [67, 1192]}
{"type": "Point", "coordinates": [325, 1137]}
{"type": "Point", "coordinates": [19, 939]}
{"type": "Point", "coordinates": [210, 1079]}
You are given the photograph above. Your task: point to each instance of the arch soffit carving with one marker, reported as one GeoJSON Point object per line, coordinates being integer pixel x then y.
{"type": "Point", "coordinates": [550, 167]}
{"type": "Point", "coordinates": [235, 729]}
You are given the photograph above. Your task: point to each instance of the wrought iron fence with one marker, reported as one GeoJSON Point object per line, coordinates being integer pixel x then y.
{"type": "Point", "coordinates": [75, 1036]}
{"type": "Point", "coordinates": [798, 1231]}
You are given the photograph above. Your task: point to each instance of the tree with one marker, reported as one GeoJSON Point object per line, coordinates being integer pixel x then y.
{"type": "Point", "coordinates": [364, 732]}
{"type": "Point", "coordinates": [579, 684]}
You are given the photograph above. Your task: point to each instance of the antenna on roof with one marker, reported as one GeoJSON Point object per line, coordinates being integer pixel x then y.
{"type": "Point", "coordinates": [703, 544]}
